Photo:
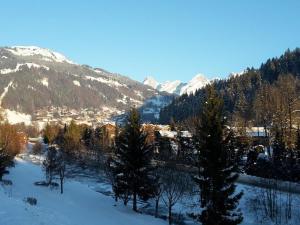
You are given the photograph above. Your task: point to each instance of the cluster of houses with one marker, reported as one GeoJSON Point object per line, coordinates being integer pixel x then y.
{"type": "Point", "coordinates": [64, 115]}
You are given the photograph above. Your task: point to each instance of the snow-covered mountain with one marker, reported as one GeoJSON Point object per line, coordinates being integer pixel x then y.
{"type": "Point", "coordinates": [177, 87]}
{"type": "Point", "coordinates": [150, 81]}
{"type": "Point", "coordinates": [34, 79]}
{"type": "Point", "coordinates": [194, 84]}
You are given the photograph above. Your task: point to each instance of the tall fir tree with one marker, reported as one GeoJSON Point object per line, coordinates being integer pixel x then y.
{"type": "Point", "coordinates": [132, 164]}
{"type": "Point", "coordinates": [217, 171]}
{"type": "Point", "coordinates": [278, 152]}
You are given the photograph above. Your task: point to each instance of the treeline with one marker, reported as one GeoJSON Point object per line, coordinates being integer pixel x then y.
{"type": "Point", "coordinates": [12, 142]}
{"type": "Point", "coordinates": [80, 143]}
{"type": "Point", "coordinates": [239, 92]}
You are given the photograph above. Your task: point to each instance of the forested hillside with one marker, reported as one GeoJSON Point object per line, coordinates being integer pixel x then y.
{"type": "Point", "coordinates": [240, 92]}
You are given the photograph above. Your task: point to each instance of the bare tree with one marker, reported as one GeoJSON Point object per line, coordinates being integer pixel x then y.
{"type": "Point", "coordinates": [50, 164]}
{"type": "Point", "coordinates": [159, 189]}
{"type": "Point", "coordinates": [287, 86]}
{"type": "Point", "coordinates": [174, 186]}
{"type": "Point", "coordinates": [61, 169]}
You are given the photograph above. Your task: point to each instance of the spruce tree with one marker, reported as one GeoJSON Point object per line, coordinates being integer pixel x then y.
{"type": "Point", "coordinates": [217, 172]}
{"type": "Point", "coordinates": [132, 167]}
{"type": "Point", "coordinates": [278, 152]}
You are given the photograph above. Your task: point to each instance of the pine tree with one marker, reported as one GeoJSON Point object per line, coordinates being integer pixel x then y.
{"type": "Point", "coordinates": [5, 161]}
{"type": "Point", "coordinates": [278, 152]}
{"type": "Point", "coordinates": [217, 172]}
{"type": "Point", "coordinates": [132, 163]}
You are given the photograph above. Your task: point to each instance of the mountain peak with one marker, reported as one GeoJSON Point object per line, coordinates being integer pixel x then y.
{"type": "Point", "coordinates": [178, 87]}
{"type": "Point", "coordinates": [194, 84]}
{"type": "Point", "coordinates": [46, 54]}
{"type": "Point", "coordinates": [150, 81]}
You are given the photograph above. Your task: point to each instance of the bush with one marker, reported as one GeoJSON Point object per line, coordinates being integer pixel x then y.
{"type": "Point", "coordinates": [31, 200]}
{"type": "Point", "coordinates": [37, 148]}
{"type": "Point", "coordinates": [6, 182]}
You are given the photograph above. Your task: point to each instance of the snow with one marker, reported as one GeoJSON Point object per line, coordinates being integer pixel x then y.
{"type": "Point", "coordinates": [79, 204]}
{"type": "Point", "coordinates": [20, 66]}
{"type": "Point", "coordinates": [14, 117]}
{"type": "Point", "coordinates": [150, 81]}
{"type": "Point", "coordinates": [178, 87]}
{"type": "Point", "coordinates": [76, 82]}
{"type": "Point", "coordinates": [169, 134]}
{"type": "Point", "coordinates": [123, 100]}
{"type": "Point", "coordinates": [44, 81]}
{"type": "Point", "coordinates": [106, 81]}
{"type": "Point", "coordinates": [234, 74]}
{"type": "Point", "coordinates": [5, 92]}
{"type": "Point", "coordinates": [46, 54]}
{"type": "Point", "coordinates": [193, 85]}
{"type": "Point", "coordinates": [85, 202]}
{"type": "Point", "coordinates": [170, 86]}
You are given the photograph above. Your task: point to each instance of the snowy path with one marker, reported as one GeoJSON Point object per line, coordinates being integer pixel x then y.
{"type": "Point", "coordinates": [77, 206]}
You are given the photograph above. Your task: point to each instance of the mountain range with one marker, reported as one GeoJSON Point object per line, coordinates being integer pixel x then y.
{"type": "Point", "coordinates": [36, 82]}
{"type": "Point", "coordinates": [178, 87]}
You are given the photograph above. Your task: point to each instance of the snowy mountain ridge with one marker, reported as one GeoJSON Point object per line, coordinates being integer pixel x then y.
{"type": "Point", "coordinates": [38, 84]}
{"type": "Point", "coordinates": [46, 54]}
{"type": "Point", "coordinates": [178, 87]}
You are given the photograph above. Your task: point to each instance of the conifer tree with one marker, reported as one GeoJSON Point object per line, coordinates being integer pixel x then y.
{"type": "Point", "coordinates": [278, 152]}
{"type": "Point", "coordinates": [217, 172]}
{"type": "Point", "coordinates": [132, 167]}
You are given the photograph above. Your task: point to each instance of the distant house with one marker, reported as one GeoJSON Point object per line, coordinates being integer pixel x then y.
{"type": "Point", "coordinates": [257, 135]}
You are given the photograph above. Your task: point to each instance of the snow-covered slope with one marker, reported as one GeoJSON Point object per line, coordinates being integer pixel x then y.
{"type": "Point", "coordinates": [194, 84]}
{"type": "Point", "coordinates": [45, 78]}
{"type": "Point", "coordinates": [46, 54]}
{"type": "Point", "coordinates": [150, 81]}
{"type": "Point", "coordinates": [85, 201]}
{"type": "Point", "coordinates": [171, 86]}
{"type": "Point", "coordinates": [79, 204]}
{"type": "Point", "coordinates": [178, 87]}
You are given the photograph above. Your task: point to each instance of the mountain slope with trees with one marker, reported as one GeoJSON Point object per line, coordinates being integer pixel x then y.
{"type": "Point", "coordinates": [239, 92]}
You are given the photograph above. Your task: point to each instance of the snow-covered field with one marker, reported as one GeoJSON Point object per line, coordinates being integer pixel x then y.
{"type": "Point", "coordinates": [79, 205]}
{"type": "Point", "coordinates": [86, 202]}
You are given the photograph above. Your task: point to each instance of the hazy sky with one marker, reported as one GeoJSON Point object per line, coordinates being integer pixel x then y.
{"type": "Point", "coordinates": [168, 39]}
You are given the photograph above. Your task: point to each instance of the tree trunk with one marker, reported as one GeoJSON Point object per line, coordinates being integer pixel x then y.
{"type": "Point", "coordinates": [170, 214]}
{"type": "Point", "coordinates": [156, 207]}
{"type": "Point", "coordinates": [61, 186]}
{"type": "Point", "coordinates": [134, 207]}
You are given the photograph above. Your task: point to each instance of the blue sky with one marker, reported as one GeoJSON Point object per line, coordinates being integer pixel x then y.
{"type": "Point", "coordinates": [168, 39]}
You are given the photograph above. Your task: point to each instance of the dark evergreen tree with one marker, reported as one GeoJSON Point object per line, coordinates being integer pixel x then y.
{"type": "Point", "coordinates": [277, 156]}
{"type": "Point", "coordinates": [5, 161]}
{"type": "Point", "coordinates": [132, 164]}
{"type": "Point", "coordinates": [217, 170]}
{"type": "Point", "coordinates": [87, 137]}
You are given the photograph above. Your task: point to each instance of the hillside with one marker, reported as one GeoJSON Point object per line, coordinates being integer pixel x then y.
{"type": "Point", "coordinates": [238, 91]}
{"type": "Point", "coordinates": [34, 79]}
